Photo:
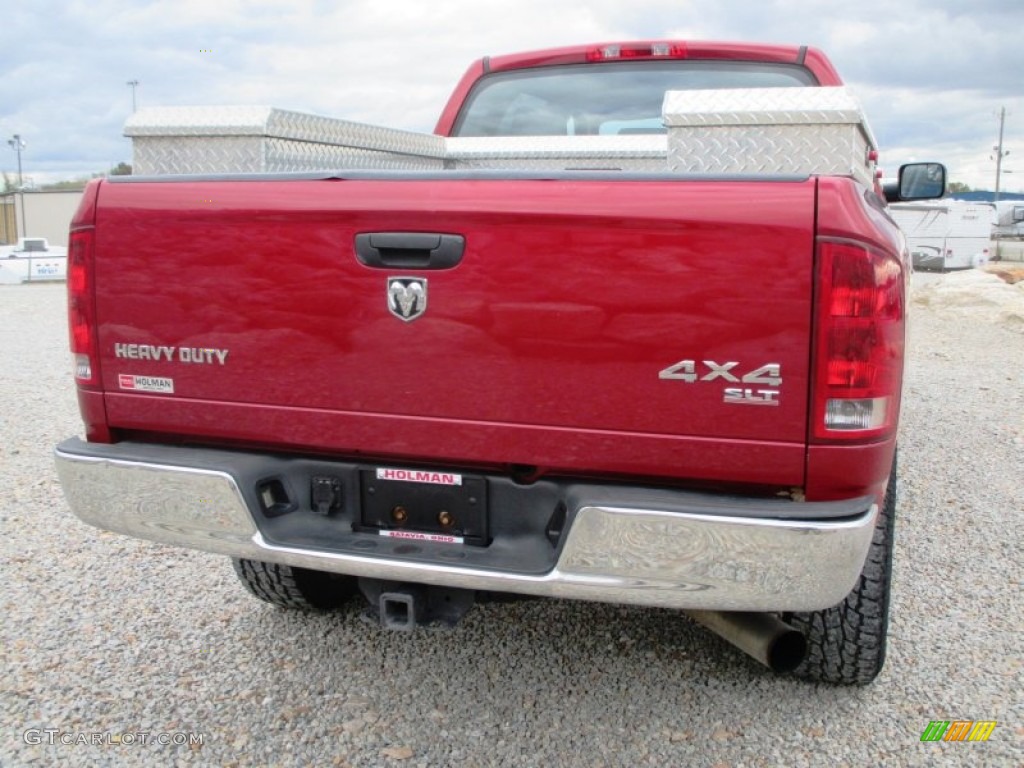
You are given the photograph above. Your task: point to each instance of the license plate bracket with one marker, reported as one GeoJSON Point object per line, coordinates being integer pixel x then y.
{"type": "Point", "coordinates": [407, 502]}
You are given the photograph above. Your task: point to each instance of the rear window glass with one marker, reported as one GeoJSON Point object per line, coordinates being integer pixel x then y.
{"type": "Point", "coordinates": [614, 98]}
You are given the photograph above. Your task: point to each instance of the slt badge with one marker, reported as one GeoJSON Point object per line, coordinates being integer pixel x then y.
{"type": "Point", "coordinates": [407, 297]}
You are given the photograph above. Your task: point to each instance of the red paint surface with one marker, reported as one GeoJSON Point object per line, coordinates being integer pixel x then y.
{"type": "Point", "coordinates": [569, 300]}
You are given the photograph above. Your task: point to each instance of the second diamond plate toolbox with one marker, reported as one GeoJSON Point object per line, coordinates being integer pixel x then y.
{"type": "Point", "coordinates": [820, 131]}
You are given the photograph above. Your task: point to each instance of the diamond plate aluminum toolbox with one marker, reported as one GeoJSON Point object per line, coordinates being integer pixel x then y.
{"type": "Point", "coordinates": [570, 153]}
{"type": "Point", "coordinates": [173, 140]}
{"type": "Point", "coordinates": [819, 131]}
{"type": "Point", "coordinates": [170, 140]}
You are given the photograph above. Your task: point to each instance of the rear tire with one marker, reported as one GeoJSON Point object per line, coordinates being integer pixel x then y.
{"type": "Point", "coordinates": [846, 644]}
{"type": "Point", "coordinates": [295, 588]}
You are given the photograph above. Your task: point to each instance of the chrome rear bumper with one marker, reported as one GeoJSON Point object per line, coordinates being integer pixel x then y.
{"type": "Point", "coordinates": [733, 560]}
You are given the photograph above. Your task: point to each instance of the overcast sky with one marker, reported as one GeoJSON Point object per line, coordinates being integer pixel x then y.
{"type": "Point", "coordinates": [932, 74]}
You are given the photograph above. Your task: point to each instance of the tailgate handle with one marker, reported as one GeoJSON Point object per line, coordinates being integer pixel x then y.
{"type": "Point", "coordinates": [409, 250]}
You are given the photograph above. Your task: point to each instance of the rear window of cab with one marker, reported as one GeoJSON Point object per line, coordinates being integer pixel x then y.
{"type": "Point", "coordinates": [616, 98]}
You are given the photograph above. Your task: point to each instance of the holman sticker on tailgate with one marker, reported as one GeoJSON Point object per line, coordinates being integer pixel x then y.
{"type": "Point", "coordinates": [145, 383]}
{"type": "Point", "coordinates": [419, 476]}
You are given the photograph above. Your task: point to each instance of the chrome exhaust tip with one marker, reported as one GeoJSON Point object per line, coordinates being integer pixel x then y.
{"type": "Point", "coordinates": [763, 636]}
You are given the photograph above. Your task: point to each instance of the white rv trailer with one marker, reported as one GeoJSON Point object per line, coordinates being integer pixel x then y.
{"type": "Point", "coordinates": [1009, 218]}
{"type": "Point", "coordinates": [946, 234]}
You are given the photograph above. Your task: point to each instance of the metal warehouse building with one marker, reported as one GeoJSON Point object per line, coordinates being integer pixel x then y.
{"type": "Point", "coordinates": [45, 214]}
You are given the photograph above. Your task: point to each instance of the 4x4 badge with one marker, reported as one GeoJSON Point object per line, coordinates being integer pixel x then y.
{"type": "Point", "coordinates": [407, 297]}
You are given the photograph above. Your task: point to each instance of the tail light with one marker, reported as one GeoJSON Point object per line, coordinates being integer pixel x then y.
{"type": "Point", "coordinates": [859, 344]}
{"type": "Point", "coordinates": [82, 307]}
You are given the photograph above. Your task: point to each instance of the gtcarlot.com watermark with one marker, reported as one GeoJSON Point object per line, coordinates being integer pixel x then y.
{"type": "Point", "coordinates": [56, 737]}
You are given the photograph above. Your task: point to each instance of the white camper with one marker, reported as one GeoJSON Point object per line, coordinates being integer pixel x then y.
{"type": "Point", "coordinates": [1010, 218]}
{"type": "Point", "coordinates": [946, 234]}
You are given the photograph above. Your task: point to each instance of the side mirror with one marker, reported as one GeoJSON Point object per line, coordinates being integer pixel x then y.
{"type": "Point", "coordinates": [919, 181]}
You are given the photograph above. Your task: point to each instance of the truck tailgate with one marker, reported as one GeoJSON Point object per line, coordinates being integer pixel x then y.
{"type": "Point", "coordinates": [599, 325]}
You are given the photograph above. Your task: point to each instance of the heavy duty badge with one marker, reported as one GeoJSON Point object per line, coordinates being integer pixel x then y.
{"type": "Point", "coordinates": [407, 297]}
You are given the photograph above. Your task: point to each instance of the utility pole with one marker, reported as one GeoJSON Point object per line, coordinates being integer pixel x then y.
{"type": "Point", "coordinates": [133, 84]}
{"type": "Point", "coordinates": [17, 145]}
{"type": "Point", "coordinates": [999, 151]}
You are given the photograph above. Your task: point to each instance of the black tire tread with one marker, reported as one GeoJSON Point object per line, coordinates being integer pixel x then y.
{"type": "Point", "coordinates": [846, 644]}
{"type": "Point", "coordinates": [294, 588]}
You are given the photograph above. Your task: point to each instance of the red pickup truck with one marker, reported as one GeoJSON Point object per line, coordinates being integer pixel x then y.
{"type": "Point", "coordinates": [674, 388]}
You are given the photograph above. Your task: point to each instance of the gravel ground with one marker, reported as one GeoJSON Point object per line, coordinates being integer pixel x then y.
{"type": "Point", "coordinates": [107, 635]}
